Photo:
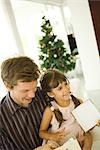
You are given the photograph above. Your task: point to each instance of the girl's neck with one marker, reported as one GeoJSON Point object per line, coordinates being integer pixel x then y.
{"type": "Point", "coordinates": [65, 103]}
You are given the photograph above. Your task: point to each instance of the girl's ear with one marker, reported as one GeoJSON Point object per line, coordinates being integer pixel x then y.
{"type": "Point", "coordinates": [50, 94]}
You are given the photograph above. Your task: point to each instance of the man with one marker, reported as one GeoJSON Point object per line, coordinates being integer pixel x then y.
{"type": "Point", "coordinates": [22, 108]}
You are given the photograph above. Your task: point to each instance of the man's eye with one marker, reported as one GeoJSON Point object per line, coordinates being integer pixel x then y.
{"type": "Point", "coordinates": [25, 91]}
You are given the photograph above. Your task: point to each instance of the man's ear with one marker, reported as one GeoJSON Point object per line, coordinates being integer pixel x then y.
{"type": "Point", "coordinates": [7, 86]}
{"type": "Point", "coordinates": [50, 94]}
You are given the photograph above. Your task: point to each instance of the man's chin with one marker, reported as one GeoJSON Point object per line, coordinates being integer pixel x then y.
{"type": "Point", "coordinates": [27, 104]}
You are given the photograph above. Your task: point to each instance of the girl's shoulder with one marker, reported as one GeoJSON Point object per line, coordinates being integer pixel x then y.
{"type": "Point", "coordinates": [48, 110]}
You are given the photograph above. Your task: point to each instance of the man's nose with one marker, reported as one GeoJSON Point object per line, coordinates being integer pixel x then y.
{"type": "Point", "coordinates": [31, 94]}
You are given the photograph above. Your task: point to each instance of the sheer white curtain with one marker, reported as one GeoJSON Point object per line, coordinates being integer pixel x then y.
{"type": "Point", "coordinates": [8, 46]}
{"type": "Point", "coordinates": [28, 16]}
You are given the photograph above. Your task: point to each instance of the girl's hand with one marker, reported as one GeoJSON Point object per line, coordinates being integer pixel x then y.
{"type": "Point", "coordinates": [98, 123]}
{"type": "Point", "coordinates": [44, 147]}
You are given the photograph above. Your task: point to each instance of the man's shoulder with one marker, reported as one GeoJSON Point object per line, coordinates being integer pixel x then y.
{"type": "Point", "coordinates": [39, 93]}
{"type": "Point", "coordinates": [39, 96]}
{"type": "Point", "coordinates": [3, 105]}
{"type": "Point", "coordinates": [3, 102]}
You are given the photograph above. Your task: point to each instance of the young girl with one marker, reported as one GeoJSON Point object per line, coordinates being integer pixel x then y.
{"type": "Point", "coordinates": [58, 123]}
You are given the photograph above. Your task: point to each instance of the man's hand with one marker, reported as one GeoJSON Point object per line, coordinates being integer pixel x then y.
{"type": "Point", "coordinates": [58, 136]}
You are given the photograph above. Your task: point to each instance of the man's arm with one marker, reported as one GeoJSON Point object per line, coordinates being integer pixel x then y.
{"type": "Point", "coordinates": [5, 142]}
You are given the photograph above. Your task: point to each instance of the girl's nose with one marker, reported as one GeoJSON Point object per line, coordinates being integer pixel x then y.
{"type": "Point", "coordinates": [67, 88]}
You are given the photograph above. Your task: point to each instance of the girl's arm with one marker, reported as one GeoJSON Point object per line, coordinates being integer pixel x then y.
{"type": "Point", "coordinates": [46, 119]}
{"type": "Point", "coordinates": [44, 133]}
{"type": "Point", "coordinates": [88, 141]}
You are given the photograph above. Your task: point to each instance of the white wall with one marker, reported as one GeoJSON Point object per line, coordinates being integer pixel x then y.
{"type": "Point", "coordinates": [88, 51]}
{"type": "Point", "coordinates": [86, 42]}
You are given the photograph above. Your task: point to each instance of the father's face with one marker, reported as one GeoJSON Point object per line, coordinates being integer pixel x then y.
{"type": "Point", "coordinates": [23, 92]}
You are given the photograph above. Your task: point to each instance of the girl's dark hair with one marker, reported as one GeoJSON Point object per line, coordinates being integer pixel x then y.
{"type": "Point", "coordinates": [75, 100]}
{"type": "Point", "coordinates": [51, 79]}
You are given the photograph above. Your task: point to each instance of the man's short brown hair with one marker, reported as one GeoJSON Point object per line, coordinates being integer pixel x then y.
{"type": "Point", "coordinates": [17, 69]}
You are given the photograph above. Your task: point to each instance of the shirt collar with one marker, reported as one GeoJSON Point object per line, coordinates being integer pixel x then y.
{"type": "Point", "coordinates": [13, 107]}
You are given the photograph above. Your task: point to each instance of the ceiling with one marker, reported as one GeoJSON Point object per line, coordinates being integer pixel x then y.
{"type": "Point", "coordinates": [52, 2]}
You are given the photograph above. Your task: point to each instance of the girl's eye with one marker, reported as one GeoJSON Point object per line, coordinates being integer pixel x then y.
{"type": "Point", "coordinates": [66, 83]}
{"type": "Point", "coordinates": [59, 88]}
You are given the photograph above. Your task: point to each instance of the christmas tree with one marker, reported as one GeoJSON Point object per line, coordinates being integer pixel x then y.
{"type": "Point", "coordinates": [53, 54]}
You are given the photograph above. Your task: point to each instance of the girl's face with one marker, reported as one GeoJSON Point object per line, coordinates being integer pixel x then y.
{"type": "Point", "coordinates": [61, 93]}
